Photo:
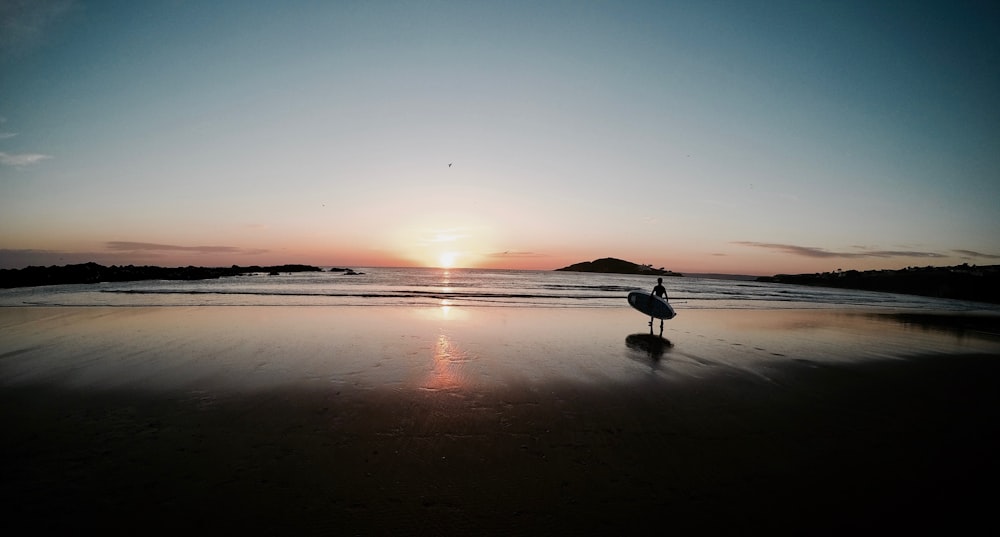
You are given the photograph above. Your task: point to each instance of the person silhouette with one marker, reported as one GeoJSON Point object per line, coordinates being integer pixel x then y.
{"type": "Point", "coordinates": [661, 292]}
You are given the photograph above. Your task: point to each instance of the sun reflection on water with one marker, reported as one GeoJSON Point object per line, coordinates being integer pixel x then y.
{"type": "Point", "coordinates": [446, 282]}
{"type": "Point", "coordinates": [445, 311]}
{"type": "Point", "coordinates": [447, 371]}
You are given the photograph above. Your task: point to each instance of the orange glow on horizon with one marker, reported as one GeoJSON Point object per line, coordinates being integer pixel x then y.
{"type": "Point", "coordinates": [444, 247]}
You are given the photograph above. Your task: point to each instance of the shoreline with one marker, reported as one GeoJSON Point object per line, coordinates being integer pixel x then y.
{"type": "Point", "coordinates": [314, 421]}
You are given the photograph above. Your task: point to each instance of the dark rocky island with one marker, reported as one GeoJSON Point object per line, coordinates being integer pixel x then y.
{"type": "Point", "coordinates": [962, 282]}
{"type": "Point", "coordinates": [94, 273]}
{"type": "Point", "coordinates": [611, 265]}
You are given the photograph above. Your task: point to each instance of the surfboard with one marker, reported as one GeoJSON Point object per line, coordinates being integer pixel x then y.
{"type": "Point", "coordinates": [651, 305]}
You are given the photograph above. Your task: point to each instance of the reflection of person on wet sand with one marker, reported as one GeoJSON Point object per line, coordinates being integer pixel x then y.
{"type": "Point", "coordinates": [648, 344]}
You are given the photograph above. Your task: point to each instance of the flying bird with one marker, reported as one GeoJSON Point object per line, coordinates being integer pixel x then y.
{"type": "Point", "coordinates": [450, 163]}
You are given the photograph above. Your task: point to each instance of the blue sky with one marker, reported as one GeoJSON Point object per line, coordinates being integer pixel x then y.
{"type": "Point", "coordinates": [741, 137]}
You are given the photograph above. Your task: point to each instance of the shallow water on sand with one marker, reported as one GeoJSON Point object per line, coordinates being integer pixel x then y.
{"type": "Point", "coordinates": [442, 348]}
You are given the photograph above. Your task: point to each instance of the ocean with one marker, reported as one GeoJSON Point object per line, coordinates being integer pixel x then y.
{"type": "Point", "coordinates": [428, 287]}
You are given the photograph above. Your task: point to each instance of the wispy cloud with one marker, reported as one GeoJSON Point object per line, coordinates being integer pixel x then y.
{"type": "Point", "coordinates": [21, 159]}
{"type": "Point", "coordinates": [446, 237]}
{"type": "Point", "coordinates": [118, 253]}
{"type": "Point", "coordinates": [126, 246]}
{"type": "Point", "coordinates": [509, 253]}
{"type": "Point", "coordinates": [4, 134]}
{"type": "Point", "coordinates": [974, 254]}
{"type": "Point", "coordinates": [430, 236]}
{"type": "Point", "coordinates": [809, 251]}
{"type": "Point", "coordinates": [17, 159]}
{"type": "Point", "coordinates": [19, 258]}
{"type": "Point", "coordinates": [24, 24]}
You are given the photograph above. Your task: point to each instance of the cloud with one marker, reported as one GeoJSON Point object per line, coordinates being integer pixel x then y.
{"type": "Point", "coordinates": [19, 258]}
{"type": "Point", "coordinates": [972, 253]}
{"type": "Point", "coordinates": [808, 251]}
{"type": "Point", "coordinates": [21, 159]}
{"type": "Point", "coordinates": [509, 253]}
{"type": "Point", "coordinates": [25, 24]}
{"type": "Point", "coordinates": [4, 134]}
{"type": "Point", "coordinates": [122, 253]}
{"type": "Point", "coordinates": [127, 246]}
{"type": "Point", "coordinates": [446, 237]}
{"type": "Point", "coordinates": [17, 159]}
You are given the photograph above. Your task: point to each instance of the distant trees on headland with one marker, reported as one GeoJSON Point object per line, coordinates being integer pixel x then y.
{"type": "Point", "coordinates": [94, 273]}
{"type": "Point", "coordinates": [962, 282]}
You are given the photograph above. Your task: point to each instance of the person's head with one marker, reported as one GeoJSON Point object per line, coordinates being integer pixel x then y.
{"type": "Point", "coordinates": [659, 280]}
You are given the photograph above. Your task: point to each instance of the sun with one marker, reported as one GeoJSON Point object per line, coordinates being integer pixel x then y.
{"type": "Point", "coordinates": [442, 245]}
{"type": "Point", "coordinates": [447, 259]}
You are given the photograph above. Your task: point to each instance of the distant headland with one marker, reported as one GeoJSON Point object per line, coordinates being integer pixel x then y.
{"type": "Point", "coordinates": [94, 273]}
{"type": "Point", "coordinates": [962, 282]}
{"type": "Point", "coordinates": [611, 265]}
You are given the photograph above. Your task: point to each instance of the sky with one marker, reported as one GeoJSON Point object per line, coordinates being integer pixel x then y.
{"type": "Point", "coordinates": [737, 137]}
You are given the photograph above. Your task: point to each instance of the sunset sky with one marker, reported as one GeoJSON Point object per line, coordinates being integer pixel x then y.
{"type": "Point", "coordinates": [736, 137]}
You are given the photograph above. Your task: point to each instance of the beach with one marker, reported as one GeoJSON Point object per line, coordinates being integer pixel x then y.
{"type": "Point", "coordinates": [477, 420]}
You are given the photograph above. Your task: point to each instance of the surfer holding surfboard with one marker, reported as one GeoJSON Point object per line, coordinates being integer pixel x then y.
{"type": "Point", "coordinates": [660, 291]}
{"type": "Point", "coordinates": [653, 304]}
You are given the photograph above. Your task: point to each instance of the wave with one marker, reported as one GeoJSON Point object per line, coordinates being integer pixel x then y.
{"type": "Point", "coordinates": [361, 294]}
{"type": "Point", "coordinates": [424, 287]}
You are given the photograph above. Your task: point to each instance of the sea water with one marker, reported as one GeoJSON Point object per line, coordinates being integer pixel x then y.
{"type": "Point", "coordinates": [418, 287]}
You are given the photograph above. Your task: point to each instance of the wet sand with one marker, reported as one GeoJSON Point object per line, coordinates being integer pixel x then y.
{"type": "Point", "coordinates": [309, 420]}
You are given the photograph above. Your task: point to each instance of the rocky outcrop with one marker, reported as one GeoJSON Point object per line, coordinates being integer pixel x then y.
{"type": "Point", "coordinates": [618, 266]}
